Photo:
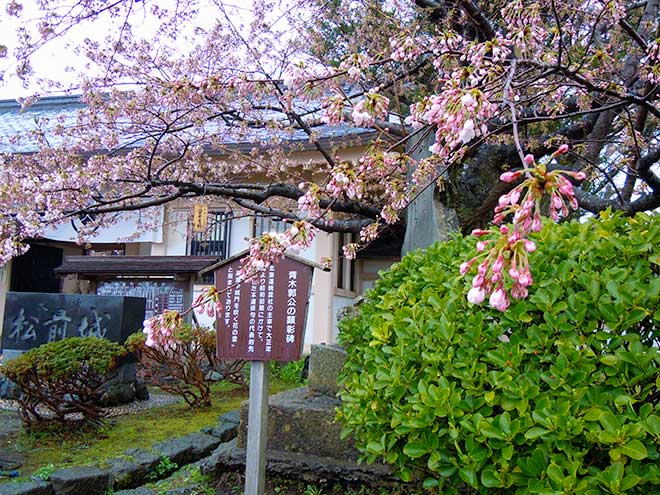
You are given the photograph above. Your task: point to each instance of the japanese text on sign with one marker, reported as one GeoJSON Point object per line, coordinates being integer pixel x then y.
{"type": "Point", "coordinates": [264, 317]}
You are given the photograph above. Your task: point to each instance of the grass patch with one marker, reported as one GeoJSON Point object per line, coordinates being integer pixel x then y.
{"type": "Point", "coordinates": [141, 429]}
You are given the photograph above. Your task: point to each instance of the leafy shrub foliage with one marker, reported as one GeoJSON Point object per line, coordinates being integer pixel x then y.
{"type": "Point", "coordinates": [180, 364]}
{"type": "Point", "coordinates": [63, 377]}
{"type": "Point", "coordinates": [559, 394]}
{"type": "Point", "coordinates": [292, 372]}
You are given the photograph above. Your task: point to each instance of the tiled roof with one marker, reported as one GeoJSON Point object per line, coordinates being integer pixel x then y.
{"type": "Point", "coordinates": [15, 122]}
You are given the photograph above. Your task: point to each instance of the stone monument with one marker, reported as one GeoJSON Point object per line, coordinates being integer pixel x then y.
{"type": "Point", "coordinates": [33, 318]}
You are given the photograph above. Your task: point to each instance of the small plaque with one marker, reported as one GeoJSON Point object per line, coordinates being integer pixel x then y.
{"type": "Point", "coordinates": [200, 218]}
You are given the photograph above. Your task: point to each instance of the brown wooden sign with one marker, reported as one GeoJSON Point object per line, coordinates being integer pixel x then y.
{"type": "Point", "coordinates": [263, 319]}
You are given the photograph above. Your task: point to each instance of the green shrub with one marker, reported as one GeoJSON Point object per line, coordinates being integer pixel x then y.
{"type": "Point", "coordinates": [63, 377]}
{"type": "Point", "coordinates": [290, 372]}
{"type": "Point", "coordinates": [163, 469]}
{"type": "Point", "coordinates": [559, 394]}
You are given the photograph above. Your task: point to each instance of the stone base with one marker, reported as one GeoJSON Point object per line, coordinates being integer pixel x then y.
{"type": "Point", "coordinates": [301, 423]}
{"type": "Point", "coordinates": [306, 467]}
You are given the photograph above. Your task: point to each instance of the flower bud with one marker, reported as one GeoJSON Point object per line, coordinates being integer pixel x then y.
{"type": "Point", "coordinates": [561, 150]}
{"type": "Point", "coordinates": [510, 176]}
{"type": "Point", "coordinates": [499, 300]}
{"type": "Point", "coordinates": [476, 295]}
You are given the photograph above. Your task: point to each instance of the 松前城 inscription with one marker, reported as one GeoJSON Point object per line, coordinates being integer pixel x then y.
{"type": "Point", "coordinates": [32, 319]}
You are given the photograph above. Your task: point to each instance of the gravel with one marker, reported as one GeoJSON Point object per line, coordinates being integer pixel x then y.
{"type": "Point", "coordinates": [155, 400]}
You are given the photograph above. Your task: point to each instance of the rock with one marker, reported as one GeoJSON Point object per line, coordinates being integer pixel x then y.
{"type": "Point", "coordinates": [141, 391]}
{"type": "Point", "coordinates": [230, 417]}
{"type": "Point", "coordinates": [224, 432]}
{"type": "Point", "coordinates": [118, 393]}
{"type": "Point", "coordinates": [183, 490]}
{"type": "Point", "coordinates": [428, 220]}
{"type": "Point", "coordinates": [8, 389]}
{"type": "Point", "coordinates": [136, 491]}
{"type": "Point", "coordinates": [221, 460]}
{"type": "Point", "coordinates": [228, 457]}
{"type": "Point", "coordinates": [79, 480]}
{"type": "Point", "coordinates": [302, 424]}
{"type": "Point", "coordinates": [125, 473]}
{"type": "Point", "coordinates": [177, 450]}
{"type": "Point", "coordinates": [325, 363]}
{"type": "Point", "coordinates": [202, 444]}
{"type": "Point", "coordinates": [121, 388]}
{"type": "Point", "coordinates": [146, 460]}
{"type": "Point", "coordinates": [214, 376]}
{"type": "Point", "coordinates": [187, 449]}
{"type": "Point", "coordinates": [26, 488]}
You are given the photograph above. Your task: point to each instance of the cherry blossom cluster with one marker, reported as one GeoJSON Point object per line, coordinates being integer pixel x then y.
{"type": "Point", "coordinates": [374, 106]}
{"type": "Point", "coordinates": [345, 179]}
{"type": "Point", "coordinates": [310, 201]}
{"type": "Point", "coordinates": [333, 109]}
{"type": "Point", "coordinates": [370, 232]}
{"type": "Point", "coordinates": [298, 74]}
{"type": "Point", "coordinates": [650, 69]}
{"type": "Point", "coordinates": [270, 247]}
{"type": "Point", "coordinates": [355, 65]}
{"type": "Point", "coordinates": [405, 48]}
{"type": "Point", "coordinates": [503, 249]}
{"type": "Point", "coordinates": [160, 329]}
{"type": "Point", "coordinates": [506, 253]}
{"type": "Point", "coordinates": [526, 29]}
{"type": "Point", "coordinates": [459, 116]}
{"type": "Point", "coordinates": [208, 302]}
{"type": "Point", "coordinates": [350, 250]}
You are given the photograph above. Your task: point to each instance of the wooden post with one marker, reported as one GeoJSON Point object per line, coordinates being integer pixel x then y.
{"type": "Point", "coordinates": [255, 463]}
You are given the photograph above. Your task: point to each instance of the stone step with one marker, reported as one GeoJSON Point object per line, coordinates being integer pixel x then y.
{"type": "Point", "coordinates": [228, 457]}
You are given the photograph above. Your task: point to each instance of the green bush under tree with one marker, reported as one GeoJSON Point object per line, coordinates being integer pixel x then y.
{"type": "Point", "coordinates": [559, 394]}
{"type": "Point", "coordinates": [64, 377]}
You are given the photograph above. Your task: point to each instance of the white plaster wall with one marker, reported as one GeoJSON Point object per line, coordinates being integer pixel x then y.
{"type": "Point", "coordinates": [339, 303]}
{"type": "Point", "coordinates": [202, 318]}
{"type": "Point", "coordinates": [174, 234]}
{"type": "Point", "coordinates": [239, 231]}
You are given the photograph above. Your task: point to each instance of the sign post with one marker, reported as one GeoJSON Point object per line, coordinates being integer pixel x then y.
{"type": "Point", "coordinates": [262, 320]}
{"type": "Point", "coordinates": [255, 456]}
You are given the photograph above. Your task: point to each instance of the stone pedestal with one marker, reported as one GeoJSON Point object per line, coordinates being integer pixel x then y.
{"type": "Point", "coordinates": [303, 424]}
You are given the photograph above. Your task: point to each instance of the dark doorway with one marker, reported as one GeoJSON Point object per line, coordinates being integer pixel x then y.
{"type": "Point", "coordinates": [33, 271]}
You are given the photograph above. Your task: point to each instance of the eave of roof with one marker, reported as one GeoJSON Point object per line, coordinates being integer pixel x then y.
{"type": "Point", "coordinates": [134, 265]}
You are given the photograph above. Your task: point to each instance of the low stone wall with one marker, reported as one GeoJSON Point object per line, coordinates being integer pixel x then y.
{"type": "Point", "coordinates": [126, 474]}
